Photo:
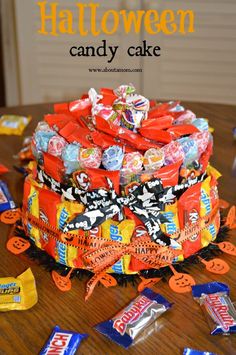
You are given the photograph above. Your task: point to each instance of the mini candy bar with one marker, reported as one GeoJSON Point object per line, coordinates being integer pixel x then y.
{"type": "Point", "coordinates": [214, 299]}
{"type": "Point", "coordinates": [18, 293]}
{"type": "Point", "coordinates": [63, 342]}
{"type": "Point", "coordinates": [124, 328]}
{"type": "Point", "coordinates": [188, 351]}
{"type": "Point", "coordinates": [13, 125]}
{"type": "Point", "coordinates": [6, 201]}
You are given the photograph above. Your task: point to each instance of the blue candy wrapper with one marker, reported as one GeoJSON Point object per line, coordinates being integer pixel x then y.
{"type": "Point", "coordinates": [6, 201]}
{"type": "Point", "coordinates": [214, 299]}
{"type": "Point", "coordinates": [125, 326]}
{"type": "Point", "coordinates": [63, 342]}
{"type": "Point", "coordinates": [188, 351]}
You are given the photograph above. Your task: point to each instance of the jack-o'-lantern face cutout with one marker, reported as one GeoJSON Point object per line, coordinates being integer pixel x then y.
{"type": "Point", "coordinates": [147, 283]}
{"type": "Point", "coordinates": [63, 283]}
{"type": "Point", "coordinates": [227, 248]}
{"type": "Point", "coordinates": [17, 245]}
{"type": "Point", "coordinates": [231, 218]}
{"type": "Point", "coordinates": [10, 216]}
{"type": "Point", "coordinates": [108, 280]}
{"type": "Point", "coordinates": [216, 266]}
{"type": "Point", "coordinates": [181, 283]}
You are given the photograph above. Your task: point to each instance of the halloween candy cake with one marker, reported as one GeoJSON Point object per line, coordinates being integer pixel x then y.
{"type": "Point", "coordinates": [120, 186]}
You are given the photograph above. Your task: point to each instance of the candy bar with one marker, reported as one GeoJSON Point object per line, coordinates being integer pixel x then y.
{"type": "Point", "coordinates": [124, 327]}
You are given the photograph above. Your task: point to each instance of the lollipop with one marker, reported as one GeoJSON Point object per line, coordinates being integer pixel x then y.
{"type": "Point", "coordinates": [136, 110]}
{"type": "Point", "coordinates": [190, 149]}
{"type": "Point", "coordinates": [201, 124]}
{"type": "Point", "coordinates": [55, 145]}
{"type": "Point", "coordinates": [187, 117]}
{"type": "Point", "coordinates": [173, 152]}
{"type": "Point", "coordinates": [132, 163]}
{"type": "Point", "coordinates": [70, 156]}
{"type": "Point", "coordinates": [90, 157]}
{"type": "Point", "coordinates": [153, 159]}
{"type": "Point", "coordinates": [113, 157]}
{"type": "Point", "coordinates": [42, 138]}
{"type": "Point", "coordinates": [202, 140]}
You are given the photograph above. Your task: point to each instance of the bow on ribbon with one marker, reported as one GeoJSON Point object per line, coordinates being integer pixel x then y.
{"type": "Point", "coordinates": [146, 201]}
{"type": "Point", "coordinates": [149, 253]}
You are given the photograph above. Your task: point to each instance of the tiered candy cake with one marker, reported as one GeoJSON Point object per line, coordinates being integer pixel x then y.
{"type": "Point", "coordinates": [121, 184]}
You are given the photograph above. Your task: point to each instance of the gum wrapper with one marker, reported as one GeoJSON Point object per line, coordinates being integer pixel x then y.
{"type": "Point", "coordinates": [18, 293]}
{"type": "Point", "coordinates": [188, 351]}
{"type": "Point", "coordinates": [13, 125]}
{"type": "Point", "coordinates": [214, 300]}
{"type": "Point", "coordinates": [63, 342]}
{"type": "Point", "coordinates": [6, 201]}
{"type": "Point", "coordinates": [124, 328]}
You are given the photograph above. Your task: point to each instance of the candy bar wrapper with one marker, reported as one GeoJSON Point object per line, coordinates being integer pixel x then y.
{"type": "Point", "coordinates": [13, 125]}
{"type": "Point", "coordinates": [214, 300]}
{"type": "Point", "coordinates": [6, 201]}
{"type": "Point", "coordinates": [62, 342]}
{"type": "Point", "coordinates": [18, 293]}
{"type": "Point", "coordinates": [208, 234]}
{"type": "Point", "coordinates": [125, 326]}
{"type": "Point", "coordinates": [66, 254]}
{"type": "Point", "coordinates": [188, 351]}
{"type": "Point", "coordinates": [120, 232]}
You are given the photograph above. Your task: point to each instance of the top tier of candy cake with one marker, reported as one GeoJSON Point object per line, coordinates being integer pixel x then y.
{"type": "Point", "coordinates": [117, 167]}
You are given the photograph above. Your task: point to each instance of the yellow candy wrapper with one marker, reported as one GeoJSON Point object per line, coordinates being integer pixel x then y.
{"type": "Point", "coordinates": [120, 232]}
{"type": "Point", "coordinates": [18, 293]}
{"type": "Point", "coordinates": [13, 124]}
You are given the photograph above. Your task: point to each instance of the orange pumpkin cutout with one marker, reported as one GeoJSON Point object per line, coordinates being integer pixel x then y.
{"type": "Point", "coordinates": [17, 245]}
{"type": "Point", "coordinates": [180, 282]}
{"type": "Point", "coordinates": [216, 266]}
{"type": "Point", "coordinates": [108, 280]}
{"type": "Point", "coordinates": [231, 218]}
{"type": "Point", "coordinates": [10, 216]}
{"type": "Point", "coordinates": [223, 204]}
{"type": "Point", "coordinates": [63, 283]}
{"type": "Point", "coordinates": [147, 283]}
{"type": "Point", "coordinates": [227, 247]}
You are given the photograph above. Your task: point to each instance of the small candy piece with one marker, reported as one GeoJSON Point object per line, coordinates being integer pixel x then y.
{"type": "Point", "coordinates": [90, 157]}
{"type": "Point", "coordinates": [56, 145]}
{"type": "Point", "coordinates": [125, 326]}
{"type": "Point", "coordinates": [70, 156]}
{"type": "Point", "coordinates": [42, 138]}
{"type": "Point", "coordinates": [6, 201]}
{"type": "Point", "coordinates": [234, 133]}
{"type": "Point", "coordinates": [202, 140]}
{"type": "Point", "coordinates": [186, 117]}
{"type": "Point", "coordinates": [124, 90]}
{"type": "Point", "coordinates": [18, 293]}
{"type": "Point", "coordinates": [62, 342]}
{"type": "Point", "coordinates": [133, 163]}
{"type": "Point", "coordinates": [153, 159]}
{"type": "Point", "coordinates": [42, 126]}
{"type": "Point", "coordinates": [213, 298]}
{"type": "Point", "coordinates": [173, 152]}
{"type": "Point", "coordinates": [201, 124]}
{"type": "Point", "coordinates": [190, 149]}
{"type": "Point", "coordinates": [188, 351]}
{"type": "Point", "coordinates": [136, 110]}
{"type": "Point", "coordinates": [113, 157]}
{"type": "Point", "coordinates": [13, 125]}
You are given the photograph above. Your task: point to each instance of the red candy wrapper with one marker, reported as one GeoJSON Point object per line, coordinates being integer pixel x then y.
{"type": "Point", "coordinates": [125, 326]}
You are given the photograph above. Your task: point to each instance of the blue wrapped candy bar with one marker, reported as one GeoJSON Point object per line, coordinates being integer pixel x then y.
{"type": "Point", "coordinates": [214, 299]}
{"type": "Point", "coordinates": [188, 351]}
{"type": "Point", "coordinates": [125, 326]}
{"type": "Point", "coordinates": [6, 201]}
{"type": "Point", "coordinates": [62, 342]}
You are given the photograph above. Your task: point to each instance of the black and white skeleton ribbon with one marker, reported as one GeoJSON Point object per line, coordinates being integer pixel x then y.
{"type": "Point", "coordinates": [146, 201]}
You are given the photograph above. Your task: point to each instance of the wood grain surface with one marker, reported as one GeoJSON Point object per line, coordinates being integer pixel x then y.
{"type": "Point", "coordinates": [25, 332]}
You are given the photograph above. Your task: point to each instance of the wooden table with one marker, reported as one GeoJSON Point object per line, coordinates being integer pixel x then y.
{"type": "Point", "coordinates": [25, 332]}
